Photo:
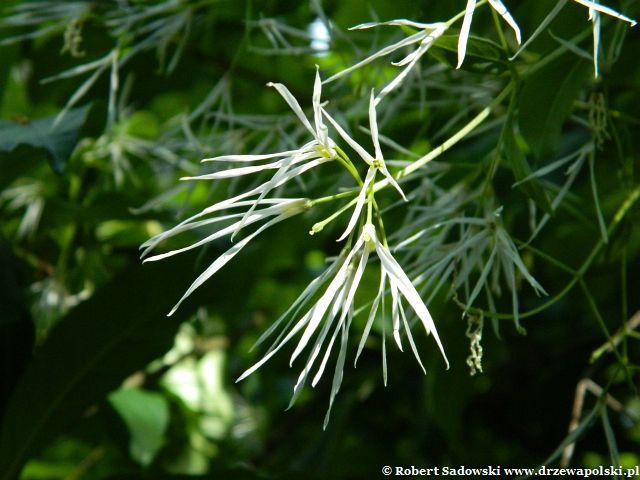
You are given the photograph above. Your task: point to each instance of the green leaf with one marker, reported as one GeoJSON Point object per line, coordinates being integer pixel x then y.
{"type": "Point", "coordinates": [146, 415]}
{"type": "Point", "coordinates": [57, 141]}
{"type": "Point", "coordinates": [119, 330]}
{"type": "Point", "coordinates": [546, 101]}
{"type": "Point", "coordinates": [517, 160]}
{"type": "Point", "coordinates": [445, 50]}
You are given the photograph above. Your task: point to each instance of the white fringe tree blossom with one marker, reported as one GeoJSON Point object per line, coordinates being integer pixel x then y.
{"type": "Point", "coordinates": [322, 316]}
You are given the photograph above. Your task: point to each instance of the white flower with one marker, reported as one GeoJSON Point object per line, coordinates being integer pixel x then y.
{"type": "Point", "coordinates": [375, 163]}
{"type": "Point", "coordinates": [428, 34]}
{"type": "Point", "coordinates": [595, 9]}
{"type": "Point", "coordinates": [277, 209]}
{"type": "Point", "coordinates": [288, 164]}
{"type": "Point", "coordinates": [500, 8]}
{"type": "Point", "coordinates": [331, 315]}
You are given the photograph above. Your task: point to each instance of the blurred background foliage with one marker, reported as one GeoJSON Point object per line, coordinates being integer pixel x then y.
{"type": "Point", "coordinates": [104, 105]}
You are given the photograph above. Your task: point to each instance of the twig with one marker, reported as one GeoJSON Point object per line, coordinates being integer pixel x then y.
{"type": "Point", "coordinates": [587, 385]}
{"type": "Point", "coordinates": [615, 340]}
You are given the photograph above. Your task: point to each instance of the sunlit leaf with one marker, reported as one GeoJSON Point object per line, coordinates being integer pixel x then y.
{"type": "Point", "coordinates": [146, 415]}
{"type": "Point", "coordinates": [88, 354]}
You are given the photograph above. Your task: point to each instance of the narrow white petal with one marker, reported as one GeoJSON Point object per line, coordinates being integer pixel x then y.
{"type": "Point", "coordinates": [232, 202]}
{"type": "Point", "coordinates": [293, 103]}
{"type": "Point", "coordinates": [249, 158]}
{"type": "Point", "coordinates": [411, 61]}
{"type": "Point", "coordinates": [499, 7]}
{"type": "Point", "coordinates": [372, 315]}
{"type": "Point", "coordinates": [220, 233]}
{"type": "Point", "coordinates": [190, 224]}
{"type": "Point", "coordinates": [268, 186]}
{"type": "Point", "coordinates": [297, 157]}
{"type": "Point", "coordinates": [352, 143]}
{"type": "Point", "coordinates": [411, 342]}
{"type": "Point", "coordinates": [425, 45]}
{"type": "Point", "coordinates": [227, 203]}
{"type": "Point", "coordinates": [280, 178]}
{"type": "Point", "coordinates": [302, 378]}
{"type": "Point", "coordinates": [362, 265]}
{"type": "Point", "coordinates": [307, 293]}
{"type": "Point", "coordinates": [339, 371]}
{"type": "Point", "coordinates": [338, 303]}
{"type": "Point", "coordinates": [418, 52]}
{"type": "Point", "coordinates": [416, 37]}
{"type": "Point", "coordinates": [216, 207]}
{"type": "Point", "coordinates": [256, 216]}
{"type": "Point", "coordinates": [362, 196]}
{"type": "Point", "coordinates": [395, 313]}
{"type": "Point", "coordinates": [384, 352]}
{"type": "Point", "coordinates": [223, 259]}
{"type": "Point", "coordinates": [595, 17]}
{"type": "Point", "coordinates": [321, 307]}
{"type": "Point", "coordinates": [606, 11]}
{"type": "Point", "coordinates": [346, 305]}
{"type": "Point", "coordinates": [237, 172]}
{"type": "Point", "coordinates": [317, 109]}
{"type": "Point", "coordinates": [464, 31]}
{"type": "Point", "coordinates": [392, 181]}
{"type": "Point", "coordinates": [373, 125]}
{"type": "Point", "coordinates": [303, 321]}
{"type": "Point", "coordinates": [393, 84]}
{"type": "Point", "coordinates": [407, 289]}
{"type": "Point", "coordinates": [153, 242]}
{"type": "Point", "coordinates": [326, 356]}
{"type": "Point", "coordinates": [399, 22]}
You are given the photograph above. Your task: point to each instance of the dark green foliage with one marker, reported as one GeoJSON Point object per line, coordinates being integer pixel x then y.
{"type": "Point", "coordinates": [96, 382]}
{"type": "Point", "coordinates": [86, 356]}
{"type": "Point", "coordinates": [56, 139]}
{"type": "Point", "coordinates": [546, 100]}
{"type": "Point", "coordinates": [522, 171]}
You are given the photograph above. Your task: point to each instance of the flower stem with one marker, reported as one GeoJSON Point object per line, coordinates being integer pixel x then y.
{"type": "Point", "coordinates": [446, 145]}
{"type": "Point", "coordinates": [346, 162]}
{"type": "Point", "coordinates": [331, 198]}
{"type": "Point", "coordinates": [451, 141]}
{"type": "Point", "coordinates": [317, 227]}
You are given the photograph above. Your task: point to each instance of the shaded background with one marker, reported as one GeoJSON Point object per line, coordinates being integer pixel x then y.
{"type": "Point", "coordinates": [98, 383]}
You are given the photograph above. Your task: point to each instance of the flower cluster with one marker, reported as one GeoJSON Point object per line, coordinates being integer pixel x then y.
{"type": "Point", "coordinates": [321, 319]}
{"type": "Point", "coordinates": [335, 309]}
{"type": "Point", "coordinates": [330, 316]}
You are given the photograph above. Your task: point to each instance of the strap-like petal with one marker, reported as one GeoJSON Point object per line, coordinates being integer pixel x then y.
{"type": "Point", "coordinates": [464, 31]}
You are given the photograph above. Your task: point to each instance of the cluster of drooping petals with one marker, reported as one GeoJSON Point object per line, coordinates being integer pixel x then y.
{"type": "Point", "coordinates": [328, 302]}
{"type": "Point", "coordinates": [329, 318]}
